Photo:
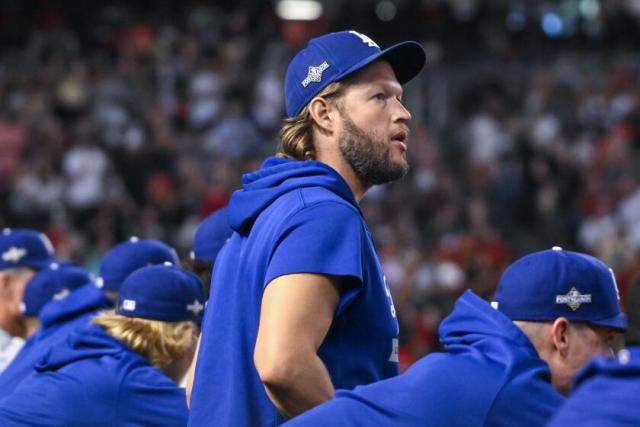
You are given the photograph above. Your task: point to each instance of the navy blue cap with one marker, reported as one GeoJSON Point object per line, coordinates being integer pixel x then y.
{"type": "Point", "coordinates": [125, 258]}
{"type": "Point", "coordinates": [162, 292]}
{"type": "Point", "coordinates": [333, 56]}
{"type": "Point", "coordinates": [54, 282]}
{"type": "Point", "coordinates": [210, 236]}
{"type": "Point", "coordinates": [21, 247]}
{"type": "Point", "coordinates": [557, 283]}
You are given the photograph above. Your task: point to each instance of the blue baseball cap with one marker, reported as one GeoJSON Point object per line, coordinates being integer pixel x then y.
{"type": "Point", "coordinates": [126, 257]}
{"type": "Point", "coordinates": [210, 236]}
{"type": "Point", "coordinates": [557, 283]}
{"type": "Point", "coordinates": [334, 56]}
{"type": "Point", "coordinates": [54, 282]}
{"type": "Point", "coordinates": [162, 292]}
{"type": "Point", "coordinates": [21, 247]}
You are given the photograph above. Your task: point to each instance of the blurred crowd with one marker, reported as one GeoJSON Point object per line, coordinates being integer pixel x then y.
{"type": "Point", "coordinates": [141, 121]}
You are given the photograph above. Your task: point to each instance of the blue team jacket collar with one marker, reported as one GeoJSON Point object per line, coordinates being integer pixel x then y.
{"type": "Point", "coordinates": [472, 316]}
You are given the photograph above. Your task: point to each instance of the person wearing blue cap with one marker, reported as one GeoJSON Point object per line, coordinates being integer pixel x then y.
{"type": "Point", "coordinates": [607, 391]}
{"type": "Point", "coordinates": [121, 371]}
{"type": "Point", "coordinates": [298, 298]}
{"type": "Point", "coordinates": [208, 239]}
{"type": "Point", "coordinates": [507, 363]}
{"type": "Point", "coordinates": [58, 318]}
{"type": "Point", "coordinates": [54, 283]}
{"type": "Point", "coordinates": [23, 252]}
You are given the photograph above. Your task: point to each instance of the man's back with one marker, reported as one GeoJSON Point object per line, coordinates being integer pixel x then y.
{"type": "Point", "coordinates": [92, 379]}
{"type": "Point", "coordinates": [58, 320]}
{"type": "Point", "coordinates": [490, 375]}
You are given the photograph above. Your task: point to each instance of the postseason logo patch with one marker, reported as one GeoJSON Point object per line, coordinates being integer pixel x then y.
{"type": "Point", "coordinates": [574, 299]}
{"type": "Point", "coordinates": [315, 74]}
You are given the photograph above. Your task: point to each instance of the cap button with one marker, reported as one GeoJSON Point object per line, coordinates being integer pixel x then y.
{"type": "Point", "coordinates": [167, 264]}
{"type": "Point", "coordinates": [134, 239]}
{"type": "Point", "coordinates": [556, 248]}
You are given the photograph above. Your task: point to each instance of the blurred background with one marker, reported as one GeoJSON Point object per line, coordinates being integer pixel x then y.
{"type": "Point", "coordinates": [121, 119]}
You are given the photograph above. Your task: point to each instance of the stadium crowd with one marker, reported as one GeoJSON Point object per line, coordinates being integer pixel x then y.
{"type": "Point", "coordinates": [138, 122]}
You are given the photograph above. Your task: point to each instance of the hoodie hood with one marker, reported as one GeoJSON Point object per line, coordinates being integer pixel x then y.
{"type": "Point", "coordinates": [625, 365]}
{"type": "Point", "coordinates": [86, 299]}
{"type": "Point", "coordinates": [475, 323]}
{"type": "Point", "coordinates": [275, 178]}
{"type": "Point", "coordinates": [90, 343]}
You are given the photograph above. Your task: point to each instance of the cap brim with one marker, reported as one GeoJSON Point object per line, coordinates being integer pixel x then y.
{"type": "Point", "coordinates": [618, 322]}
{"type": "Point", "coordinates": [407, 59]}
{"type": "Point", "coordinates": [34, 264]}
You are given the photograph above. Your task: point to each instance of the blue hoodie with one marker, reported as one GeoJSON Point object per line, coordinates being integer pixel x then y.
{"type": "Point", "coordinates": [606, 393]}
{"type": "Point", "coordinates": [92, 379]}
{"type": "Point", "coordinates": [290, 217]}
{"type": "Point", "coordinates": [490, 375]}
{"type": "Point", "coordinates": [58, 319]}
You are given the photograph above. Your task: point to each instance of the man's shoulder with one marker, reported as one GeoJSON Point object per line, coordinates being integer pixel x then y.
{"type": "Point", "coordinates": [309, 197]}
{"type": "Point", "coordinates": [312, 203]}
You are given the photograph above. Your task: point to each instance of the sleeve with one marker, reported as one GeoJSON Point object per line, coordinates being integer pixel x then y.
{"type": "Point", "coordinates": [326, 238]}
{"type": "Point", "coordinates": [436, 391]}
{"type": "Point", "coordinates": [148, 398]}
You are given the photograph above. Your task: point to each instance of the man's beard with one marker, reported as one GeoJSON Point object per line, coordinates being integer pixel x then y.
{"type": "Point", "coordinates": [368, 154]}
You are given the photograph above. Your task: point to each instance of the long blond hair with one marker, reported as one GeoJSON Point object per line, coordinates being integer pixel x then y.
{"type": "Point", "coordinates": [158, 342]}
{"type": "Point", "coordinates": [296, 135]}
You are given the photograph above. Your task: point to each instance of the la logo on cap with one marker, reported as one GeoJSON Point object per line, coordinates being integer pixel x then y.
{"type": "Point", "coordinates": [574, 299]}
{"type": "Point", "coordinates": [366, 40]}
{"type": "Point", "coordinates": [13, 254]}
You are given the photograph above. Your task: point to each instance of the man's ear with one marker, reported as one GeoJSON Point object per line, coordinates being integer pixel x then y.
{"type": "Point", "coordinates": [324, 114]}
{"type": "Point", "coordinates": [560, 335]}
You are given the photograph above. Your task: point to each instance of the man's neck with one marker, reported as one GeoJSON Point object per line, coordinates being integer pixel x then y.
{"type": "Point", "coordinates": [358, 188]}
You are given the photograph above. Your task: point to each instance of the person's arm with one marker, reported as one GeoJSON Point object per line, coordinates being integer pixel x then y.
{"type": "Point", "coordinates": [192, 372]}
{"type": "Point", "coordinates": [297, 311]}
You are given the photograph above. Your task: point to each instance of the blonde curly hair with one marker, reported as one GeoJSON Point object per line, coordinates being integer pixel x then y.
{"type": "Point", "coordinates": [158, 342]}
{"type": "Point", "coordinates": [296, 134]}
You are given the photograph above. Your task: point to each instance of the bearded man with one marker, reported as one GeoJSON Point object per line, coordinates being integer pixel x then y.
{"type": "Point", "coordinates": [299, 305]}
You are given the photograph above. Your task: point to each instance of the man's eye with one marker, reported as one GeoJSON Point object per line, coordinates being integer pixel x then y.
{"type": "Point", "coordinates": [380, 96]}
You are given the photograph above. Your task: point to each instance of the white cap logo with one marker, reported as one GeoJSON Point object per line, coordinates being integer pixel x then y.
{"type": "Point", "coordinates": [574, 299]}
{"type": "Point", "coordinates": [196, 307]}
{"type": "Point", "coordinates": [61, 295]}
{"type": "Point", "coordinates": [615, 284]}
{"type": "Point", "coordinates": [366, 40]}
{"type": "Point", "coordinates": [315, 74]}
{"type": "Point", "coordinates": [14, 254]}
{"type": "Point", "coordinates": [129, 305]}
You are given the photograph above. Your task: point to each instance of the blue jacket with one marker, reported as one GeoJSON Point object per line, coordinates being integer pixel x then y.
{"type": "Point", "coordinates": [490, 375]}
{"type": "Point", "coordinates": [290, 217]}
{"type": "Point", "coordinates": [606, 393]}
{"type": "Point", "coordinates": [92, 379]}
{"type": "Point", "coordinates": [58, 319]}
